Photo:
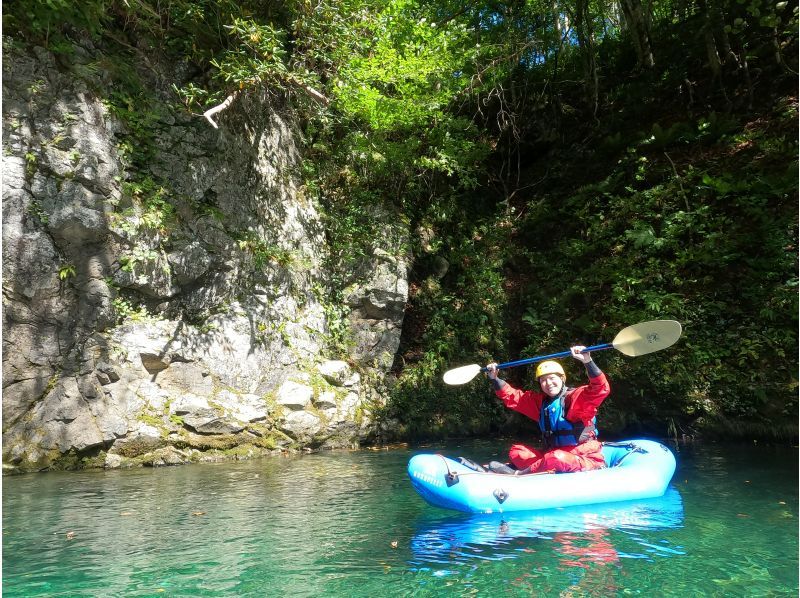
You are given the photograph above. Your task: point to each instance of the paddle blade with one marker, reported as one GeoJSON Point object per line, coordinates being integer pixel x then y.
{"type": "Point", "coordinates": [461, 375]}
{"type": "Point", "coordinates": [647, 337]}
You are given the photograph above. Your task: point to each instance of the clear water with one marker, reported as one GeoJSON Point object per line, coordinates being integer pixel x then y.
{"type": "Point", "coordinates": [349, 524]}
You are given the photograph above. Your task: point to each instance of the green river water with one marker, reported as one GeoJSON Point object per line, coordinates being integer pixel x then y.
{"type": "Point", "coordinates": [350, 524]}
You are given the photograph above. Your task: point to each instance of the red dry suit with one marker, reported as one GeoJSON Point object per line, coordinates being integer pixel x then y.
{"type": "Point", "coordinates": [580, 408]}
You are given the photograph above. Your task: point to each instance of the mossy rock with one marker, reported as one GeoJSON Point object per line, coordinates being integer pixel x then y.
{"type": "Point", "coordinates": [205, 442]}
{"type": "Point", "coordinates": [169, 455]}
{"type": "Point", "coordinates": [244, 452]}
{"type": "Point", "coordinates": [74, 460]}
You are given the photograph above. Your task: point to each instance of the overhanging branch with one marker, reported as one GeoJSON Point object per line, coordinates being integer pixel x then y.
{"type": "Point", "coordinates": [312, 93]}
{"type": "Point", "coordinates": [212, 111]}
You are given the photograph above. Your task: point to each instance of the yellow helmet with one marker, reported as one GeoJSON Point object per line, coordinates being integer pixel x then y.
{"type": "Point", "coordinates": [549, 367]}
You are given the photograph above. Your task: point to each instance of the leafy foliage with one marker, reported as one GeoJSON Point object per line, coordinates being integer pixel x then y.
{"type": "Point", "coordinates": [569, 167]}
{"type": "Point", "coordinates": [460, 319]}
{"type": "Point", "coordinates": [714, 247]}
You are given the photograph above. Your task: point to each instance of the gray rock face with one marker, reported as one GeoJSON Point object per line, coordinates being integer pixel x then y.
{"type": "Point", "coordinates": [378, 303]}
{"type": "Point", "coordinates": [246, 408]}
{"type": "Point", "coordinates": [142, 439]}
{"type": "Point", "coordinates": [189, 263]}
{"type": "Point", "coordinates": [302, 425]}
{"type": "Point", "coordinates": [335, 371]}
{"type": "Point", "coordinates": [124, 330]}
{"type": "Point", "coordinates": [189, 403]}
{"type": "Point", "coordinates": [208, 421]}
{"type": "Point", "coordinates": [294, 396]}
{"type": "Point", "coordinates": [185, 377]}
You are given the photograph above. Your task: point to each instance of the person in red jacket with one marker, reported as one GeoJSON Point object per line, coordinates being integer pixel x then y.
{"type": "Point", "coordinates": [566, 417]}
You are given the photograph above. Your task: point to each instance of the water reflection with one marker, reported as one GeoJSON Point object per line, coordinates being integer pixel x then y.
{"type": "Point", "coordinates": [214, 529]}
{"type": "Point", "coordinates": [578, 534]}
{"type": "Point", "coordinates": [349, 524]}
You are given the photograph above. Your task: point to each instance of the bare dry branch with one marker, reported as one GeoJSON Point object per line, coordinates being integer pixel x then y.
{"type": "Point", "coordinates": [315, 95]}
{"type": "Point", "coordinates": [212, 111]}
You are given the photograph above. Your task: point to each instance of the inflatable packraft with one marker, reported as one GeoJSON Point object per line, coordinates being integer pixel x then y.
{"type": "Point", "coordinates": [635, 469]}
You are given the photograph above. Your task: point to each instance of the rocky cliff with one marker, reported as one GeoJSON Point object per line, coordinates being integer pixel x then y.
{"type": "Point", "coordinates": [172, 305]}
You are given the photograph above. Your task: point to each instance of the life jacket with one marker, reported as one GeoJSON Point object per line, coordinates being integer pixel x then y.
{"type": "Point", "coordinates": [557, 430]}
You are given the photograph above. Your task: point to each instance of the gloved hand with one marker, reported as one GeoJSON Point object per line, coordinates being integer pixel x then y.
{"type": "Point", "coordinates": [491, 371]}
{"type": "Point", "coordinates": [582, 357]}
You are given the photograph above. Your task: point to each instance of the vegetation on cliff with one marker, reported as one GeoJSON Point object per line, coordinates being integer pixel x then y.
{"type": "Point", "coordinates": [568, 168]}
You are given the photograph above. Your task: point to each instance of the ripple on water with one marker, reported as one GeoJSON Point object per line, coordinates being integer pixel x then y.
{"type": "Point", "coordinates": [349, 524]}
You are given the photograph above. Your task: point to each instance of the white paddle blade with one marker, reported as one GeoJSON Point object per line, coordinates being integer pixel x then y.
{"type": "Point", "coordinates": [647, 337]}
{"type": "Point", "coordinates": [461, 375]}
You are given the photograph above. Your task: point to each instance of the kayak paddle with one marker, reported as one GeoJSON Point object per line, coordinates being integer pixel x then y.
{"type": "Point", "coordinates": [639, 339]}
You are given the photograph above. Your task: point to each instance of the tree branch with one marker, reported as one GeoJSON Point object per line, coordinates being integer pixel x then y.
{"type": "Point", "coordinates": [315, 95]}
{"type": "Point", "coordinates": [212, 111]}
